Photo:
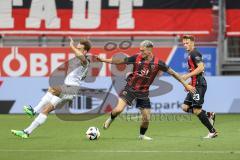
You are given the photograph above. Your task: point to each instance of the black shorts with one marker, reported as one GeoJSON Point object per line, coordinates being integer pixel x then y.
{"type": "Point", "coordinates": [129, 95]}
{"type": "Point", "coordinates": [196, 100]}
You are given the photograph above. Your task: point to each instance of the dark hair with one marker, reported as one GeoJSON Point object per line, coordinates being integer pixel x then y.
{"type": "Point", "coordinates": [191, 37]}
{"type": "Point", "coordinates": [87, 44]}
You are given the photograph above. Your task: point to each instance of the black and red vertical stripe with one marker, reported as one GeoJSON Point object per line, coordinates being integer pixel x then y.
{"type": "Point", "coordinates": [192, 67]}
{"type": "Point", "coordinates": [143, 74]}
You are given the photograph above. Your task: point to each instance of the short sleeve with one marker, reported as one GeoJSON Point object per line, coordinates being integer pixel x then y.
{"type": "Point", "coordinates": [162, 65]}
{"type": "Point", "coordinates": [130, 60]}
{"type": "Point", "coordinates": [196, 57]}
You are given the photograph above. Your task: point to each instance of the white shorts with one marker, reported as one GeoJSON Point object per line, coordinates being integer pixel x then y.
{"type": "Point", "coordinates": [72, 81]}
{"type": "Point", "coordinates": [56, 101]}
{"type": "Point", "coordinates": [70, 90]}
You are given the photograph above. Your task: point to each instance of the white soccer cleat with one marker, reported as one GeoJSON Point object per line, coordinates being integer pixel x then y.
{"type": "Point", "coordinates": [211, 135]}
{"type": "Point", "coordinates": [143, 137]}
{"type": "Point", "coordinates": [107, 123]}
{"type": "Point", "coordinates": [211, 118]}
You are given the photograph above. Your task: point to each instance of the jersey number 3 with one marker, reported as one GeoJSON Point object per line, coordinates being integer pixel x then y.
{"type": "Point", "coordinates": [196, 97]}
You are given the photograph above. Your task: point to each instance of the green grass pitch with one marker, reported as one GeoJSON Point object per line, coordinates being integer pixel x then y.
{"type": "Point", "coordinates": [65, 140]}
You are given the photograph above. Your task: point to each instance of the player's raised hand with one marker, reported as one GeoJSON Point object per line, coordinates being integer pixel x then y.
{"type": "Point", "coordinates": [71, 41]}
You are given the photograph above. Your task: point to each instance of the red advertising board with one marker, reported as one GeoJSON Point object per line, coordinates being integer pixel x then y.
{"type": "Point", "coordinates": [41, 62]}
{"type": "Point", "coordinates": [106, 17]}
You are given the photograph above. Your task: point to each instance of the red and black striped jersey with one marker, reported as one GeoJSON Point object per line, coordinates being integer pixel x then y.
{"type": "Point", "coordinates": [194, 58]}
{"type": "Point", "coordinates": [144, 72]}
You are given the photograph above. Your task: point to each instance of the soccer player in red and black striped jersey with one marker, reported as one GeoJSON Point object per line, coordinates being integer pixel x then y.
{"type": "Point", "coordinates": [193, 102]}
{"type": "Point", "coordinates": [145, 68]}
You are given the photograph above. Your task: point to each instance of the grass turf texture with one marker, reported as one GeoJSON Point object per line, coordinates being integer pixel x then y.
{"type": "Point", "coordinates": [64, 140]}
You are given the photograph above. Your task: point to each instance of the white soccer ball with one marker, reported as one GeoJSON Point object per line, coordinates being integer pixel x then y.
{"type": "Point", "coordinates": [93, 133]}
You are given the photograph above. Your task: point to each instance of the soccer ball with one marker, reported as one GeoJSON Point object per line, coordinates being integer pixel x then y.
{"type": "Point", "coordinates": [93, 133]}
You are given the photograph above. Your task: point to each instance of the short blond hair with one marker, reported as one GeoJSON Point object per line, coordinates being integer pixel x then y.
{"type": "Point", "coordinates": [147, 44]}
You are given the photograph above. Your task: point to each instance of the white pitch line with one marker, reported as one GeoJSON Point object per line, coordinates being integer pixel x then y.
{"type": "Point", "coordinates": [120, 151]}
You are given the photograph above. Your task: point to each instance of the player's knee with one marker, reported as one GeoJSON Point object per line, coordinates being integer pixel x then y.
{"type": "Point", "coordinates": [55, 101]}
{"type": "Point", "coordinates": [118, 110]}
{"type": "Point", "coordinates": [50, 89]}
{"type": "Point", "coordinates": [197, 111]}
{"type": "Point", "coordinates": [47, 109]}
{"type": "Point", "coordinates": [146, 118]}
{"type": "Point", "coordinates": [185, 107]}
{"type": "Point", "coordinates": [145, 123]}
{"type": "Point", "coordinates": [54, 90]}
{"type": "Point", "coordinates": [120, 107]}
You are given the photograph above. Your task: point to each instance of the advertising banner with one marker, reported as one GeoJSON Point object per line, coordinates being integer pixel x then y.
{"type": "Point", "coordinates": [26, 74]}
{"type": "Point", "coordinates": [105, 17]}
{"type": "Point", "coordinates": [39, 61]}
{"type": "Point", "coordinates": [101, 95]}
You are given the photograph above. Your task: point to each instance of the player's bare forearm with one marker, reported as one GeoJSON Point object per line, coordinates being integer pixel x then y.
{"type": "Point", "coordinates": [112, 60]}
{"type": "Point", "coordinates": [181, 80]}
{"type": "Point", "coordinates": [106, 60]}
{"type": "Point", "coordinates": [177, 76]}
{"type": "Point", "coordinates": [78, 52]}
{"type": "Point", "coordinates": [197, 71]}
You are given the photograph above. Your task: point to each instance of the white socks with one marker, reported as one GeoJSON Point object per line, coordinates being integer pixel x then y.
{"type": "Point", "coordinates": [40, 119]}
{"type": "Point", "coordinates": [45, 99]}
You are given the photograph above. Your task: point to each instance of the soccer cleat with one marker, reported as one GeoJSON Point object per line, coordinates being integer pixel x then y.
{"type": "Point", "coordinates": [29, 111]}
{"type": "Point", "coordinates": [143, 137]}
{"type": "Point", "coordinates": [107, 123]}
{"type": "Point", "coordinates": [211, 117]}
{"type": "Point", "coordinates": [21, 134]}
{"type": "Point", "coordinates": [211, 135]}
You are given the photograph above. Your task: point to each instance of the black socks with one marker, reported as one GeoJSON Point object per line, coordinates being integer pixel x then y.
{"type": "Point", "coordinates": [203, 118]}
{"type": "Point", "coordinates": [112, 116]}
{"type": "Point", "coordinates": [143, 130]}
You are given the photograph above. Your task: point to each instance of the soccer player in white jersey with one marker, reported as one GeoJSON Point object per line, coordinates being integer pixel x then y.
{"type": "Point", "coordinates": [57, 96]}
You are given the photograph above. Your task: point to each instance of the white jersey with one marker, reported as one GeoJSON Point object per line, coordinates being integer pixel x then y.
{"type": "Point", "coordinates": [76, 72]}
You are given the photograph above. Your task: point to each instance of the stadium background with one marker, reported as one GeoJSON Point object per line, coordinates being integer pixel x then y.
{"type": "Point", "coordinates": [34, 42]}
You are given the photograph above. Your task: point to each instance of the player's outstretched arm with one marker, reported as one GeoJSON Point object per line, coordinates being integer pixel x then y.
{"type": "Point", "coordinates": [79, 52]}
{"type": "Point", "coordinates": [198, 70]}
{"type": "Point", "coordinates": [181, 80]}
{"type": "Point", "coordinates": [111, 60]}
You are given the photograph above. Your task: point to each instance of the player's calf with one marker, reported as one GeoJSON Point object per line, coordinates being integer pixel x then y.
{"type": "Point", "coordinates": [187, 108]}
{"type": "Point", "coordinates": [116, 111]}
{"type": "Point", "coordinates": [211, 117]}
{"type": "Point", "coordinates": [205, 121]}
{"type": "Point", "coordinates": [108, 122]}
{"type": "Point", "coordinates": [47, 109]}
